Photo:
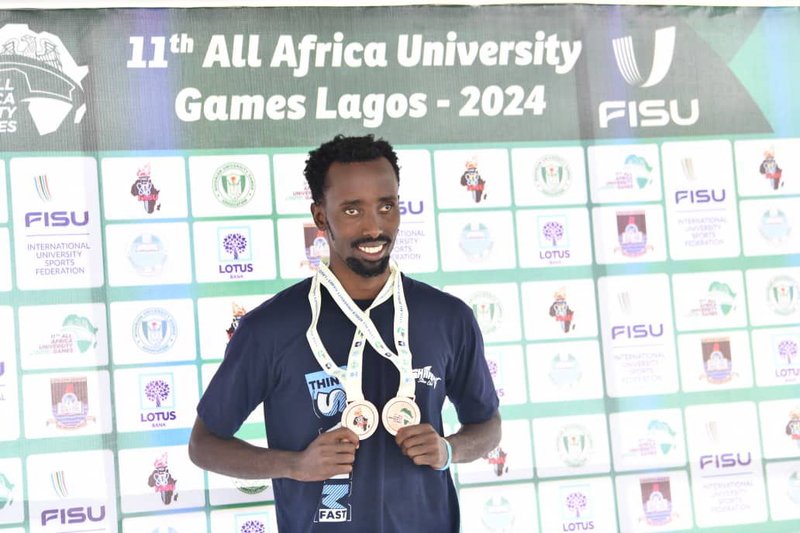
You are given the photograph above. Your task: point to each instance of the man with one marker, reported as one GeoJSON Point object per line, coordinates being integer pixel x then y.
{"type": "Point", "coordinates": [377, 462]}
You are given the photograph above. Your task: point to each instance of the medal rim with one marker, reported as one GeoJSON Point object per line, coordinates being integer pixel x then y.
{"type": "Point", "coordinates": [370, 407]}
{"type": "Point", "coordinates": [393, 402]}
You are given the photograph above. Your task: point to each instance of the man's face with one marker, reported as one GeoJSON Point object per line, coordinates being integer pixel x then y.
{"type": "Point", "coordinates": [360, 216]}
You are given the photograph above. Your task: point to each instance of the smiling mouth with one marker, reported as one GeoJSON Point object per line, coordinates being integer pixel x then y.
{"type": "Point", "coordinates": [371, 258]}
{"type": "Point", "coordinates": [372, 249]}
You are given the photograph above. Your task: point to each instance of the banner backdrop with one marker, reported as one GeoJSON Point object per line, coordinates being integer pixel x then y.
{"type": "Point", "coordinates": [615, 191]}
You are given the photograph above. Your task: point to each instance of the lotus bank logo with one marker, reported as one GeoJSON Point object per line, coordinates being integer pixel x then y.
{"type": "Point", "coordinates": [652, 112]}
{"type": "Point", "coordinates": [36, 69]}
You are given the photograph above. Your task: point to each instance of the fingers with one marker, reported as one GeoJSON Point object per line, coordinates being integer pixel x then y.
{"type": "Point", "coordinates": [340, 442]}
{"type": "Point", "coordinates": [338, 457]}
{"type": "Point", "coordinates": [413, 435]}
{"type": "Point", "coordinates": [312, 471]}
{"type": "Point", "coordinates": [341, 435]}
{"type": "Point", "coordinates": [345, 434]}
{"type": "Point", "coordinates": [422, 444]}
{"type": "Point", "coordinates": [330, 454]}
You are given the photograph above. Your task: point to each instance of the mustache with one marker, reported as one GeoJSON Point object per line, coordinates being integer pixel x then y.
{"type": "Point", "coordinates": [365, 240]}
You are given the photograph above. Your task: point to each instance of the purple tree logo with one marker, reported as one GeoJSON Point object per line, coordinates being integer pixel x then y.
{"type": "Point", "coordinates": [234, 243]}
{"type": "Point", "coordinates": [157, 391]}
{"type": "Point", "coordinates": [576, 502]}
{"type": "Point", "coordinates": [253, 526]}
{"type": "Point", "coordinates": [553, 231]}
{"type": "Point", "coordinates": [788, 350]}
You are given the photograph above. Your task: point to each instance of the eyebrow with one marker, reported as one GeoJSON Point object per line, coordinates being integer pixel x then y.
{"type": "Point", "coordinates": [392, 198]}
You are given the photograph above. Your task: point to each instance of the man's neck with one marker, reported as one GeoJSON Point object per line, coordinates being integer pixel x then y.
{"type": "Point", "coordinates": [360, 287]}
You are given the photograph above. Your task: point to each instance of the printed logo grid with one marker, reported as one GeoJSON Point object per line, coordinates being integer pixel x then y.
{"type": "Point", "coordinates": [597, 291]}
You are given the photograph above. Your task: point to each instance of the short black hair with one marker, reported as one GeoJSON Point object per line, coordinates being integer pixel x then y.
{"type": "Point", "coordinates": [343, 149]}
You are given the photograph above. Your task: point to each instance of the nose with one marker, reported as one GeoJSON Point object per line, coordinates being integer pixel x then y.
{"type": "Point", "coordinates": [371, 224]}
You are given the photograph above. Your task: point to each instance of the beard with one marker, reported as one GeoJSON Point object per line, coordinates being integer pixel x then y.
{"type": "Point", "coordinates": [363, 268]}
{"type": "Point", "coordinates": [368, 270]}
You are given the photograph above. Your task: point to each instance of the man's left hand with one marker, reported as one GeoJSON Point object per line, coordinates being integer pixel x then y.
{"type": "Point", "coordinates": [423, 445]}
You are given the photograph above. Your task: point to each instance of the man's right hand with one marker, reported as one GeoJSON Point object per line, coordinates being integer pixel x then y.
{"type": "Point", "coordinates": [331, 454]}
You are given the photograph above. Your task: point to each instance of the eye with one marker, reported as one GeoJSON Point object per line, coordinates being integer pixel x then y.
{"type": "Point", "coordinates": [385, 208]}
{"type": "Point", "coordinates": [350, 211]}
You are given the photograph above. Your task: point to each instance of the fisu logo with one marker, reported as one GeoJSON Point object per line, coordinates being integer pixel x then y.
{"type": "Point", "coordinates": [650, 112]}
{"type": "Point", "coordinates": [663, 51]}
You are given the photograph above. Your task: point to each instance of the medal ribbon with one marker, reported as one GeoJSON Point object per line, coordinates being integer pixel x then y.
{"type": "Point", "coordinates": [365, 330]}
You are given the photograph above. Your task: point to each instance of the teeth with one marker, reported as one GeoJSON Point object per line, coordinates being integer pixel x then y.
{"type": "Point", "coordinates": [371, 249]}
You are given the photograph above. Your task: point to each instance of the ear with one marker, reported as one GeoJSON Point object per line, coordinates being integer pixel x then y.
{"type": "Point", "coordinates": [318, 214]}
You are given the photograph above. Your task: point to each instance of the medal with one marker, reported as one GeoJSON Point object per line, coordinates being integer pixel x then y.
{"type": "Point", "coordinates": [361, 417]}
{"type": "Point", "coordinates": [399, 412]}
